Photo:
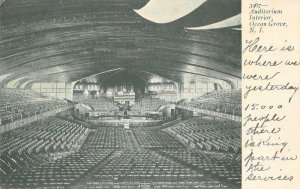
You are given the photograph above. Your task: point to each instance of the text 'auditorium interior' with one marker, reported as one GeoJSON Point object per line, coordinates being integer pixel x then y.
{"type": "Point", "coordinates": [121, 94]}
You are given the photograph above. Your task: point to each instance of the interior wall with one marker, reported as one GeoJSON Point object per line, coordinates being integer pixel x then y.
{"type": "Point", "coordinates": [193, 89]}
{"type": "Point", "coordinates": [189, 90]}
{"type": "Point", "coordinates": [56, 90]}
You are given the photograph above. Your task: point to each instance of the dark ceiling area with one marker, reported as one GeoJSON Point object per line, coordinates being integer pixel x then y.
{"type": "Point", "coordinates": [67, 40]}
{"type": "Point", "coordinates": [124, 76]}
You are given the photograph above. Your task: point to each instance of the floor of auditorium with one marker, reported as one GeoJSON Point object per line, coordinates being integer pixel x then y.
{"type": "Point", "coordinates": [127, 163]}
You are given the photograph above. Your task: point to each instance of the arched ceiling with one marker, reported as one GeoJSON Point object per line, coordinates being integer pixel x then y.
{"type": "Point", "coordinates": [67, 40]}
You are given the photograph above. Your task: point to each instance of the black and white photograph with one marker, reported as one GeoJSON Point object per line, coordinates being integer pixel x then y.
{"type": "Point", "coordinates": [122, 94]}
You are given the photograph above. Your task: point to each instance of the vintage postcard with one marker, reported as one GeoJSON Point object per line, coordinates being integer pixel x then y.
{"type": "Point", "coordinates": [149, 94]}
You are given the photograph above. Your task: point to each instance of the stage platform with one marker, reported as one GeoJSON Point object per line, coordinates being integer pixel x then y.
{"type": "Point", "coordinates": [133, 121]}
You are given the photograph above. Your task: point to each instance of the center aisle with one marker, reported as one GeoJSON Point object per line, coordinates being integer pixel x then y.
{"type": "Point", "coordinates": [133, 142]}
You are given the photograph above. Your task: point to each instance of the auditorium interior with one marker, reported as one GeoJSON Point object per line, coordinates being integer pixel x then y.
{"type": "Point", "coordinates": [120, 94]}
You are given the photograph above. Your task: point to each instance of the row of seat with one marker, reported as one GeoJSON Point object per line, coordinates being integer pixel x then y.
{"type": "Point", "coordinates": [106, 137]}
{"type": "Point", "coordinates": [170, 163]}
{"type": "Point", "coordinates": [209, 134]}
{"type": "Point", "coordinates": [50, 131]}
{"type": "Point", "coordinates": [146, 165]}
{"type": "Point", "coordinates": [148, 104]}
{"type": "Point", "coordinates": [9, 114]}
{"type": "Point", "coordinates": [18, 96]}
{"type": "Point", "coordinates": [56, 173]}
{"type": "Point", "coordinates": [102, 104]}
{"type": "Point", "coordinates": [151, 137]}
{"type": "Point", "coordinates": [155, 185]}
{"type": "Point", "coordinates": [224, 101]}
{"type": "Point", "coordinates": [223, 168]}
{"type": "Point", "coordinates": [48, 136]}
{"type": "Point", "coordinates": [11, 164]}
{"type": "Point", "coordinates": [50, 154]}
{"type": "Point", "coordinates": [229, 94]}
